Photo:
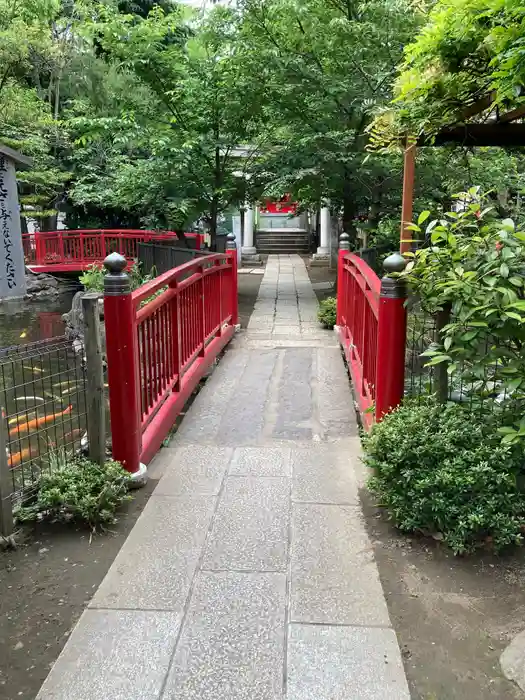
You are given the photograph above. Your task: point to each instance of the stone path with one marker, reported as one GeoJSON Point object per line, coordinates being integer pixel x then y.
{"type": "Point", "coordinates": [249, 575]}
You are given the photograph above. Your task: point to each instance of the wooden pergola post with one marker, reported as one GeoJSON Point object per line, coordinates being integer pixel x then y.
{"type": "Point", "coordinates": [407, 204]}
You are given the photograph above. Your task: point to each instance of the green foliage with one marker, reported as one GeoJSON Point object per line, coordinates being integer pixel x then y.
{"type": "Point", "coordinates": [440, 471]}
{"type": "Point", "coordinates": [467, 50]}
{"type": "Point", "coordinates": [474, 266]}
{"type": "Point", "coordinates": [78, 490]}
{"type": "Point", "coordinates": [93, 278]}
{"type": "Point", "coordinates": [133, 111]}
{"type": "Point", "coordinates": [327, 313]}
{"type": "Point", "coordinates": [327, 67]}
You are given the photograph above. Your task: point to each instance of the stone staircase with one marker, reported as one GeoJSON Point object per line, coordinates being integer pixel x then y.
{"type": "Point", "coordinates": [279, 241]}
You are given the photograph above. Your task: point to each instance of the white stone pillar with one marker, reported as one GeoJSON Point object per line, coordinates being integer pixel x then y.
{"type": "Point", "coordinates": [326, 227]}
{"type": "Point", "coordinates": [247, 244]}
{"type": "Point", "coordinates": [12, 268]}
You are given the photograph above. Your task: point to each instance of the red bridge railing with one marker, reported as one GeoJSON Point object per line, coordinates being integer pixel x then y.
{"type": "Point", "coordinates": [63, 251]}
{"type": "Point", "coordinates": [371, 322]}
{"type": "Point", "coordinates": [160, 339]}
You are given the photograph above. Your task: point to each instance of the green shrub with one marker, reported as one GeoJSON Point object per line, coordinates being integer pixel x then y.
{"type": "Point", "coordinates": [327, 312]}
{"type": "Point", "coordinates": [438, 470]}
{"type": "Point", "coordinates": [92, 279]}
{"type": "Point", "coordinates": [78, 490]}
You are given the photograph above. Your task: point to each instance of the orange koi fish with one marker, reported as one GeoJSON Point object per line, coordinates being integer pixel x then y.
{"type": "Point", "coordinates": [18, 457]}
{"type": "Point", "coordinates": [38, 422]}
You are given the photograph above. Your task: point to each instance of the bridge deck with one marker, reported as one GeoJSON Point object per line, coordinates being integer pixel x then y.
{"type": "Point", "coordinates": [249, 575]}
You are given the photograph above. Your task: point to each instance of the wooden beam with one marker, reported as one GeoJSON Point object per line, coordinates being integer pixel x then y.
{"type": "Point", "coordinates": [511, 116]}
{"type": "Point", "coordinates": [478, 135]}
{"type": "Point", "coordinates": [479, 106]}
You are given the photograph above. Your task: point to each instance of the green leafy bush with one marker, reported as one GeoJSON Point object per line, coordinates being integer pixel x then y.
{"type": "Point", "coordinates": [439, 470]}
{"type": "Point", "coordinates": [327, 312]}
{"type": "Point", "coordinates": [93, 278]}
{"type": "Point", "coordinates": [473, 272]}
{"type": "Point", "coordinates": [79, 490]}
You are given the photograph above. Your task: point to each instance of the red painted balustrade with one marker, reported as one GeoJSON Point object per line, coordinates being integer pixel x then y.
{"type": "Point", "coordinates": [70, 251]}
{"type": "Point", "coordinates": [160, 340]}
{"type": "Point", "coordinates": [371, 322]}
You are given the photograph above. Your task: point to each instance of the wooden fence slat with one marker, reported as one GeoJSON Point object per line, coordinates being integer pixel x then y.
{"type": "Point", "coordinates": [94, 379]}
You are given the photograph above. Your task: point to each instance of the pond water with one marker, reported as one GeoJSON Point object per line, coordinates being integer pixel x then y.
{"type": "Point", "coordinates": [24, 321]}
{"type": "Point", "coordinates": [42, 396]}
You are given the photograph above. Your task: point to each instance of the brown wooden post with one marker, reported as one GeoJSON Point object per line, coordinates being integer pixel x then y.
{"type": "Point", "coordinates": [96, 419]}
{"type": "Point", "coordinates": [6, 486]}
{"type": "Point", "coordinates": [408, 198]}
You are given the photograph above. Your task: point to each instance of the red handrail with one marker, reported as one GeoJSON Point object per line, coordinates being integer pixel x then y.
{"type": "Point", "coordinates": [371, 321]}
{"type": "Point", "coordinates": [78, 249]}
{"type": "Point", "coordinates": [160, 339]}
{"type": "Point", "coordinates": [358, 308]}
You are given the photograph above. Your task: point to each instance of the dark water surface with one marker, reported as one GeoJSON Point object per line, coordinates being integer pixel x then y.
{"type": "Point", "coordinates": [24, 321]}
{"type": "Point", "coordinates": [42, 395]}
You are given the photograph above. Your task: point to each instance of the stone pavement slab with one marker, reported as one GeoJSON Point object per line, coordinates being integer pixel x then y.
{"type": "Point", "coordinates": [344, 663]}
{"type": "Point", "coordinates": [114, 655]}
{"type": "Point", "coordinates": [194, 470]}
{"type": "Point", "coordinates": [155, 567]}
{"type": "Point", "coordinates": [250, 529]}
{"type": "Point", "coordinates": [261, 461]}
{"type": "Point", "coordinates": [334, 578]}
{"type": "Point", "coordinates": [249, 575]}
{"type": "Point", "coordinates": [321, 475]}
{"type": "Point", "coordinates": [232, 646]}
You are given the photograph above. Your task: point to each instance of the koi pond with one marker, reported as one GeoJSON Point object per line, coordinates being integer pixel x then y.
{"type": "Point", "coordinates": [42, 388]}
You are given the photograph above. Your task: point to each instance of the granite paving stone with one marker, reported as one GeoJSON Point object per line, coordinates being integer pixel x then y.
{"type": "Point", "coordinates": [323, 474]}
{"type": "Point", "coordinates": [114, 655]}
{"type": "Point", "coordinates": [260, 461]}
{"type": "Point", "coordinates": [334, 578]}
{"type": "Point", "coordinates": [344, 663]}
{"type": "Point", "coordinates": [232, 643]}
{"type": "Point", "coordinates": [156, 564]}
{"type": "Point", "coordinates": [195, 470]}
{"type": "Point", "coordinates": [250, 529]}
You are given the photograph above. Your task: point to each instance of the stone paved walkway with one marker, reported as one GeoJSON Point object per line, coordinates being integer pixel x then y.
{"type": "Point", "coordinates": [249, 575]}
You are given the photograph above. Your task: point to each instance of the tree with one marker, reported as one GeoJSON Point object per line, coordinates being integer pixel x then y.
{"type": "Point", "coordinates": [327, 65]}
{"type": "Point", "coordinates": [467, 61]}
{"type": "Point", "coordinates": [203, 105]}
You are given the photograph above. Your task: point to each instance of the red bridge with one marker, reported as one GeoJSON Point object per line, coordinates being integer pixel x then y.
{"type": "Point", "coordinates": [75, 251]}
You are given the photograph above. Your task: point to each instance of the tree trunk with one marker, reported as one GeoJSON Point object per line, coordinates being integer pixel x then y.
{"type": "Point", "coordinates": [214, 208]}
{"type": "Point", "coordinates": [440, 371]}
{"type": "Point", "coordinates": [375, 206]}
{"type": "Point", "coordinates": [214, 215]}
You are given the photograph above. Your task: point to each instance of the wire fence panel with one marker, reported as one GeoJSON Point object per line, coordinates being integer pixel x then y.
{"type": "Point", "coordinates": [421, 328]}
{"type": "Point", "coordinates": [479, 386]}
{"type": "Point", "coordinates": [43, 403]}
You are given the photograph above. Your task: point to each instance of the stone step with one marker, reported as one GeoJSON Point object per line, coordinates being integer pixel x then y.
{"type": "Point", "coordinates": [269, 250]}
{"type": "Point", "coordinates": [285, 242]}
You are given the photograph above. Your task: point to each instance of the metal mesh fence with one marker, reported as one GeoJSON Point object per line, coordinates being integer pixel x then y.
{"type": "Point", "coordinates": [479, 386]}
{"type": "Point", "coordinates": [43, 403]}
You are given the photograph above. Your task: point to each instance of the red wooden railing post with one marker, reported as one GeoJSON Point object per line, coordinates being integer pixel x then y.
{"type": "Point", "coordinates": [391, 338]}
{"type": "Point", "coordinates": [39, 249]}
{"type": "Point", "coordinates": [123, 366]}
{"type": "Point", "coordinates": [61, 246]}
{"type": "Point", "coordinates": [231, 252]}
{"type": "Point", "coordinates": [201, 312]}
{"type": "Point", "coordinates": [344, 247]}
